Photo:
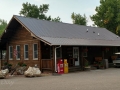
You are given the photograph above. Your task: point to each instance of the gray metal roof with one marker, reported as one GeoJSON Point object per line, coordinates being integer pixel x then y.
{"type": "Point", "coordinates": [57, 33]}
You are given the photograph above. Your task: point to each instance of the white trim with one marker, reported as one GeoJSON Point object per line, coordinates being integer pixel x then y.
{"type": "Point", "coordinates": [9, 53]}
{"type": "Point", "coordinates": [17, 52]}
{"type": "Point", "coordinates": [34, 53]}
{"type": "Point", "coordinates": [24, 52]}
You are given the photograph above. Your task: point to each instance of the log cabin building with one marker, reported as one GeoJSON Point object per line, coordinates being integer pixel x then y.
{"type": "Point", "coordinates": [41, 42]}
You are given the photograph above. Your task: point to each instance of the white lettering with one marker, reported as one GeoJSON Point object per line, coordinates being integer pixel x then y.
{"type": "Point", "coordinates": [7, 82]}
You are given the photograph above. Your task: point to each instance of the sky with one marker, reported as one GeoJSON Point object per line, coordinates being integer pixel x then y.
{"type": "Point", "coordinates": [61, 8]}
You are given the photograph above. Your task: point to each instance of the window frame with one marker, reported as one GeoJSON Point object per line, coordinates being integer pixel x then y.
{"type": "Point", "coordinates": [10, 52]}
{"type": "Point", "coordinates": [34, 52]}
{"type": "Point", "coordinates": [17, 53]}
{"type": "Point", "coordinates": [25, 53]}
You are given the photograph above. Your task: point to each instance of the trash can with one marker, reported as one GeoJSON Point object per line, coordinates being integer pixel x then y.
{"type": "Point", "coordinates": [65, 66]}
{"type": "Point", "coordinates": [106, 63]}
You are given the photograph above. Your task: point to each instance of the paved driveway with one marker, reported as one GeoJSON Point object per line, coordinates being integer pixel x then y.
{"type": "Point", "coordinates": [108, 79]}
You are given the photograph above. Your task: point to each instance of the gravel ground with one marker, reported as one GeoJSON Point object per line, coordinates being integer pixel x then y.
{"type": "Point", "coordinates": [107, 79]}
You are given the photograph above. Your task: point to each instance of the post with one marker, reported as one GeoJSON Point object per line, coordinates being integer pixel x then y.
{"type": "Point", "coordinates": [82, 64]}
{"type": "Point", "coordinates": [55, 61]}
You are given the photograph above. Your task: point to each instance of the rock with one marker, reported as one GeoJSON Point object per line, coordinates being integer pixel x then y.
{"type": "Point", "coordinates": [32, 72]}
{"type": "Point", "coordinates": [3, 73]}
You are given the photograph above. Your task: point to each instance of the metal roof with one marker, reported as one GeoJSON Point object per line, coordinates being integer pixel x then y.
{"type": "Point", "coordinates": [58, 33]}
{"type": "Point", "coordinates": [82, 42]}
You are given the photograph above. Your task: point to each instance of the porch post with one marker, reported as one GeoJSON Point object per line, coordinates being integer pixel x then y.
{"type": "Point", "coordinates": [53, 62]}
{"type": "Point", "coordinates": [82, 62]}
{"type": "Point", "coordinates": [39, 55]}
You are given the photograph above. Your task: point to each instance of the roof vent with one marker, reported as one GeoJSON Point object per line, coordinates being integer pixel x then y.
{"type": "Point", "coordinates": [93, 31]}
{"type": "Point", "coordinates": [117, 36]}
{"type": "Point", "coordinates": [98, 34]}
{"type": "Point", "coordinates": [87, 30]}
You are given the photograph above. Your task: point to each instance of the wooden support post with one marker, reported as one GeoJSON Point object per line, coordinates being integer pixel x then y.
{"type": "Point", "coordinates": [39, 55]}
{"type": "Point", "coordinates": [53, 61]}
{"type": "Point", "coordinates": [82, 61]}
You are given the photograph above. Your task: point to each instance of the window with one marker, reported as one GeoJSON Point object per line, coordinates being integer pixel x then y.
{"type": "Point", "coordinates": [10, 52]}
{"type": "Point", "coordinates": [35, 51]}
{"type": "Point", "coordinates": [3, 55]}
{"type": "Point", "coordinates": [26, 52]}
{"type": "Point", "coordinates": [18, 52]}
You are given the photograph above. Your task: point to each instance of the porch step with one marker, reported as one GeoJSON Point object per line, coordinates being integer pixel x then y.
{"type": "Point", "coordinates": [73, 69]}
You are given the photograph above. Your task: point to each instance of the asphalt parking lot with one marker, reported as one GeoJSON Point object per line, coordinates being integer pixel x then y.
{"type": "Point", "coordinates": [107, 79]}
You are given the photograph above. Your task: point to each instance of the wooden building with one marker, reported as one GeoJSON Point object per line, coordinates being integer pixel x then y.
{"type": "Point", "coordinates": [41, 42]}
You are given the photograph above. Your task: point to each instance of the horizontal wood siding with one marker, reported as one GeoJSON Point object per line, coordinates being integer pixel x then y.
{"type": "Point", "coordinates": [22, 37]}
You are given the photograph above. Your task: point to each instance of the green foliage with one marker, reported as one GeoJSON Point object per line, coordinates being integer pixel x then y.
{"type": "Point", "coordinates": [79, 19]}
{"type": "Point", "coordinates": [108, 15]}
{"type": "Point", "coordinates": [3, 25]}
{"type": "Point", "coordinates": [22, 64]}
{"type": "Point", "coordinates": [56, 19]}
{"type": "Point", "coordinates": [32, 10]}
{"type": "Point", "coordinates": [7, 64]}
{"type": "Point", "coordinates": [86, 63]}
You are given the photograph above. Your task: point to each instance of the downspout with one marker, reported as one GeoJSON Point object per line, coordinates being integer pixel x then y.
{"type": "Point", "coordinates": [56, 58]}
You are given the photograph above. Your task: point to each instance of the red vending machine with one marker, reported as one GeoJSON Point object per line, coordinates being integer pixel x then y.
{"type": "Point", "coordinates": [60, 66]}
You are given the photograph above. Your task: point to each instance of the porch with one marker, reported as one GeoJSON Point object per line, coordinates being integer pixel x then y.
{"type": "Point", "coordinates": [77, 56]}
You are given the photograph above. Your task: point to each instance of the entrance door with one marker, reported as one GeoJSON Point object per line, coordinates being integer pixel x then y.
{"type": "Point", "coordinates": [76, 55]}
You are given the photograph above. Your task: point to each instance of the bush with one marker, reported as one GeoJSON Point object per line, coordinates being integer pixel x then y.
{"type": "Point", "coordinates": [22, 64]}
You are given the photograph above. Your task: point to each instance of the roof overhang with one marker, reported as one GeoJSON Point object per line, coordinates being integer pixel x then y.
{"type": "Point", "coordinates": [81, 42]}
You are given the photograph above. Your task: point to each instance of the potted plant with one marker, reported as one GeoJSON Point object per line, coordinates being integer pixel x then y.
{"type": "Point", "coordinates": [7, 66]}
{"type": "Point", "coordinates": [22, 67]}
{"type": "Point", "coordinates": [21, 64]}
{"type": "Point", "coordinates": [101, 65]}
{"type": "Point", "coordinates": [87, 66]}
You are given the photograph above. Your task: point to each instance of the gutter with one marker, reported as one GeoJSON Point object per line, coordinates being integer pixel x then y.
{"type": "Point", "coordinates": [55, 58]}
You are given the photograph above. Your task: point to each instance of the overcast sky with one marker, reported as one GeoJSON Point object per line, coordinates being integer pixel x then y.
{"type": "Point", "coordinates": [61, 8]}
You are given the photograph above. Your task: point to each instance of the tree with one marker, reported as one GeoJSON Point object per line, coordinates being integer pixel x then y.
{"type": "Point", "coordinates": [79, 19]}
{"type": "Point", "coordinates": [56, 19]}
{"type": "Point", "coordinates": [3, 25]}
{"type": "Point", "coordinates": [108, 15]}
{"type": "Point", "coordinates": [32, 10]}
